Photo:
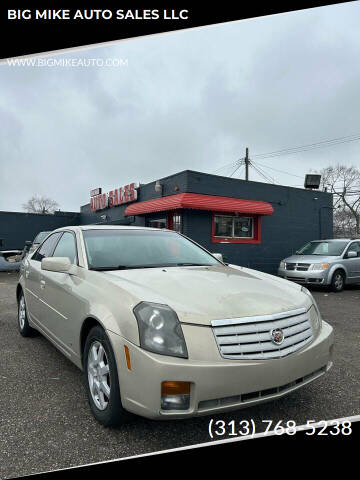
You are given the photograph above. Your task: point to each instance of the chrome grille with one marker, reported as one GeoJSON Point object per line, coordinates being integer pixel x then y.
{"type": "Point", "coordinates": [300, 267]}
{"type": "Point", "coordinates": [250, 337]}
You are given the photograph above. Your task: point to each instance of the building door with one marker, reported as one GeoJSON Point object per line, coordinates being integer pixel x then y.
{"type": "Point", "coordinates": [175, 221]}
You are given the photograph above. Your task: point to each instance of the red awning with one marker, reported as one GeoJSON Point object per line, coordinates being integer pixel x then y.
{"type": "Point", "coordinates": [200, 202]}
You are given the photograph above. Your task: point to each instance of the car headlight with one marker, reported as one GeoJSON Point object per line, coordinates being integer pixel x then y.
{"type": "Point", "coordinates": [160, 330]}
{"type": "Point", "coordinates": [319, 266]}
{"type": "Point", "coordinates": [282, 264]}
{"type": "Point", "coordinates": [314, 312]}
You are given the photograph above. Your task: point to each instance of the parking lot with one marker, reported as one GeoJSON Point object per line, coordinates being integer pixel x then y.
{"type": "Point", "coordinates": [45, 422]}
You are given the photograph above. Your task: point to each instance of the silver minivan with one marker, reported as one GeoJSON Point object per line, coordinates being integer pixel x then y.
{"type": "Point", "coordinates": [331, 263]}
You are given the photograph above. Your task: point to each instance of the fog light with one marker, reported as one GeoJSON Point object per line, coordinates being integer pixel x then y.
{"type": "Point", "coordinates": [175, 395]}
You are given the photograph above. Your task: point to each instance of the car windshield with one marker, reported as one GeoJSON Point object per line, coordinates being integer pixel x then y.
{"type": "Point", "coordinates": [329, 248]}
{"type": "Point", "coordinates": [116, 249]}
{"type": "Point", "coordinates": [40, 237]}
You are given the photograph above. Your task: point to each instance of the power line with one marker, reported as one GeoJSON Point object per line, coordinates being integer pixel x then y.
{"type": "Point", "coordinates": [311, 146]}
{"type": "Point", "coordinates": [277, 170]}
{"type": "Point", "coordinates": [237, 167]}
{"type": "Point", "coordinates": [233, 164]}
{"type": "Point", "coordinates": [294, 150]}
{"type": "Point", "coordinates": [263, 174]}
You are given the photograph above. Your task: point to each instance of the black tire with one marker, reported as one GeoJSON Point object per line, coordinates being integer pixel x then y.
{"type": "Point", "coordinates": [23, 322]}
{"type": "Point", "coordinates": [338, 281]}
{"type": "Point", "coordinates": [113, 414]}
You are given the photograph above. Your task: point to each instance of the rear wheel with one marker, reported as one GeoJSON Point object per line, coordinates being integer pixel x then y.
{"type": "Point", "coordinates": [338, 281]}
{"type": "Point", "coordinates": [23, 323]}
{"type": "Point", "coordinates": [102, 382]}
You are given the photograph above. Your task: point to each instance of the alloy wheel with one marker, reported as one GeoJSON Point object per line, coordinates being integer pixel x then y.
{"type": "Point", "coordinates": [98, 375]}
{"type": "Point", "coordinates": [338, 281]}
{"type": "Point", "coordinates": [22, 312]}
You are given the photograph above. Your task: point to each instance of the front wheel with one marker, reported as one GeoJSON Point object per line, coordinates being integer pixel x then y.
{"type": "Point", "coordinates": [102, 382]}
{"type": "Point", "coordinates": [338, 281]}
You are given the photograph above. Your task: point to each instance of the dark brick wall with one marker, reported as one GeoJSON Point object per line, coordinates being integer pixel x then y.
{"type": "Point", "coordinates": [17, 227]}
{"type": "Point", "coordinates": [296, 219]}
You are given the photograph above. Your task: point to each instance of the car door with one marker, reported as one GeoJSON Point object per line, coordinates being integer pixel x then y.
{"type": "Point", "coordinates": [353, 264]}
{"type": "Point", "coordinates": [59, 296]}
{"type": "Point", "coordinates": [32, 274]}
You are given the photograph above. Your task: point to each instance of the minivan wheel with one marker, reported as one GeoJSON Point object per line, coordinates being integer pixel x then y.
{"type": "Point", "coordinates": [23, 323]}
{"type": "Point", "coordinates": [101, 379]}
{"type": "Point", "coordinates": [338, 281]}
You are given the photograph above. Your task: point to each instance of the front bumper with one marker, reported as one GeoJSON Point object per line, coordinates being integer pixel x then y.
{"type": "Point", "coordinates": [217, 385]}
{"type": "Point", "coordinates": [310, 277]}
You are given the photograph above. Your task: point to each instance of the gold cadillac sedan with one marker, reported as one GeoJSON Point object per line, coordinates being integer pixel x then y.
{"type": "Point", "coordinates": [164, 329]}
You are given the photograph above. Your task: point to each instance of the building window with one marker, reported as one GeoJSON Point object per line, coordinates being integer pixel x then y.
{"type": "Point", "coordinates": [235, 228]}
{"type": "Point", "coordinates": [157, 222]}
{"type": "Point", "coordinates": [176, 222]}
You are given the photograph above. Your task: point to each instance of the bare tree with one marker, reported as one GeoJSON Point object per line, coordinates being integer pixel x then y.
{"type": "Point", "coordinates": [344, 183]}
{"type": "Point", "coordinates": [40, 205]}
{"type": "Point", "coordinates": [344, 223]}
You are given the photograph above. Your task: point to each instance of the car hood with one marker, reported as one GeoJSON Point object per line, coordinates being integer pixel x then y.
{"type": "Point", "coordinates": [201, 294]}
{"type": "Point", "coordinates": [309, 259]}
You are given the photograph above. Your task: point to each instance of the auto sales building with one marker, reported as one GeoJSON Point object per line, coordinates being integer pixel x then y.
{"type": "Point", "coordinates": [251, 223]}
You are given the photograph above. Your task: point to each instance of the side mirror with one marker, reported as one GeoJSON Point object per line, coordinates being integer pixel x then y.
{"type": "Point", "coordinates": [351, 254]}
{"type": "Point", "coordinates": [56, 264]}
{"type": "Point", "coordinates": [218, 256]}
{"type": "Point", "coordinates": [28, 243]}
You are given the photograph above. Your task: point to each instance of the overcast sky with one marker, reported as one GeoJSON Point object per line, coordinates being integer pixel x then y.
{"type": "Point", "coordinates": [186, 100]}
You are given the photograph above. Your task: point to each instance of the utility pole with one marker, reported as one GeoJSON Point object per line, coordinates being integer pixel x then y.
{"type": "Point", "coordinates": [247, 164]}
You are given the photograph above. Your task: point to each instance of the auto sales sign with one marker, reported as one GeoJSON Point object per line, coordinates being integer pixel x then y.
{"type": "Point", "coordinates": [118, 196]}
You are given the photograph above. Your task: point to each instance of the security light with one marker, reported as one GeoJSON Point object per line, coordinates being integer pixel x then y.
{"type": "Point", "coordinates": [312, 181]}
{"type": "Point", "coordinates": [158, 187]}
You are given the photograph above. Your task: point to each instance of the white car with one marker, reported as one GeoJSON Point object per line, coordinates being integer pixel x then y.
{"type": "Point", "coordinates": [164, 329]}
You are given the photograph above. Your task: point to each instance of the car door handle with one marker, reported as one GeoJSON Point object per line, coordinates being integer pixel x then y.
{"type": "Point", "coordinates": [42, 284]}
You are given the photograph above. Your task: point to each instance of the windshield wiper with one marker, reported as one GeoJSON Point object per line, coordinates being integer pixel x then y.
{"type": "Point", "coordinates": [133, 267]}
{"type": "Point", "coordinates": [101, 269]}
{"type": "Point", "coordinates": [124, 267]}
{"type": "Point", "coordinates": [185, 264]}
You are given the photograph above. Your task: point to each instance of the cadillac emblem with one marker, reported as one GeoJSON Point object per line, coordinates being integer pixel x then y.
{"type": "Point", "coordinates": [277, 336]}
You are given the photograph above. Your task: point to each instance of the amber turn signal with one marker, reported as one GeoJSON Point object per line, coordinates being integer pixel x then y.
{"type": "Point", "coordinates": [175, 388]}
{"type": "Point", "coordinates": [127, 356]}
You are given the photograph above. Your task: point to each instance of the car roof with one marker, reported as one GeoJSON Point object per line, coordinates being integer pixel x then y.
{"type": "Point", "coordinates": [106, 227]}
{"type": "Point", "coordinates": [336, 240]}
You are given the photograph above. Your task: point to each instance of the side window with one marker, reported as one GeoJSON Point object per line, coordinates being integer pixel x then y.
{"type": "Point", "coordinates": [46, 248]}
{"type": "Point", "coordinates": [66, 247]}
{"type": "Point", "coordinates": [355, 247]}
{"type": "Point", "coordinates": [234, 227]}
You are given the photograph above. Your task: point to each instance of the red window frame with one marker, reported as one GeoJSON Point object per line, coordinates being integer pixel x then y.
{"type": "Point", "coordinates": [257, 229]}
